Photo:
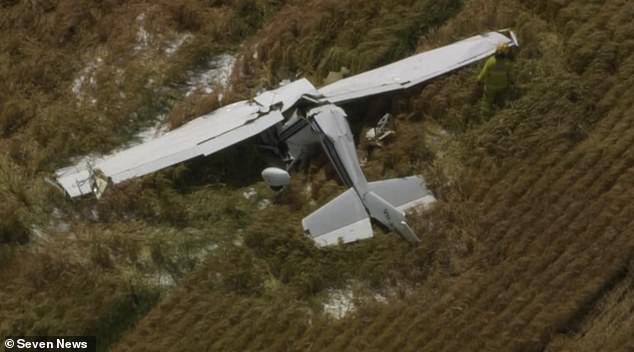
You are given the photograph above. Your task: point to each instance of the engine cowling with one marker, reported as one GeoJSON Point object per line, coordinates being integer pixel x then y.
{"type": "Point", "coordinates": [276, 178]}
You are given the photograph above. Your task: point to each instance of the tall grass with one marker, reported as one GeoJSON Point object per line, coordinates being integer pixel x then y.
{"type": "Point", "coordinates": [532, 201]}
{"type": "Point", "coordinates": [529, 200]}
{"type": "Point", "coordinates": [55, 283]}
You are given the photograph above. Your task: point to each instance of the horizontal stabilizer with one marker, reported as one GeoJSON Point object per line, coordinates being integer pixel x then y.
{"type": "Point", "coordinates": [387, 201]}
{"type": "Point", "coordinates": [403, 193]}
{"type": "Point", "coordinates": [343, 219]}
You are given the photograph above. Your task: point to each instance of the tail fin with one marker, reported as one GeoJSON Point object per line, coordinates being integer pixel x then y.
{"type": "Point", "coordinates": [389, 215]}
{"type": "Point", "coordinates": [345, 218]}
{"type": "Point", "coordinates": [342, 219]}
{"type": "Point", "coordinates": [387, 201]}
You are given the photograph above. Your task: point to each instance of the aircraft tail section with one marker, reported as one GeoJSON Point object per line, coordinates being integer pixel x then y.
{"type": "Point", "coordinates": [347, 217]}
{"type": "Point", "coordinates": [343, 219]}
{"type": "Point", "coordinates": [390, 216]}
{"type": "Point", "coordinates": [403, 193]}
{"type": "Point", "coordinates": [388, 200]}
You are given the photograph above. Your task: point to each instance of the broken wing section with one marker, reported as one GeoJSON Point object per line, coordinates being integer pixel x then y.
{"type": "Point", "coordinates": [200, 137]}
{"type": "Point", "coordinates": [343, 219]}
{"type": "Point", "coordinates": [416, 69]}
{"type": "Point", "coordinates": [287, 95]}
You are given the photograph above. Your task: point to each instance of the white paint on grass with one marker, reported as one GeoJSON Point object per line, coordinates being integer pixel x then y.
{"type": "Point", "coordinates": [216, 74]}
{"type": "Point", "coordinates": [86, 80]}
{"type": "Point", "coordinates": [203, 252]}
{"type": "Point", "coordinates": [143, 37]}
{"type": "Point", "coordinates": [57, 222]}
{"type": "Point", "coordinates": [339, 303]}
{"type": "Point", "coordinates": [379, 298]}
{"type": "Point", "coordinates": [165, 279]}
{"type": "Point", "coordinates": [38, 233]}
{"type": "Point", "coordinates": [250, 194]}
{"type": "Point", "coordinates": [174, 45]}
{"type": "Point", "coordinates": [264, 203]}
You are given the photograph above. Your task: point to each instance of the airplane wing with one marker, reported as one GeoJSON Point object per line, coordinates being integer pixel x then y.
{"type": "Point", "coordinates": [200, 137]}
{"type": "Point", "coordinates": [416, 69]}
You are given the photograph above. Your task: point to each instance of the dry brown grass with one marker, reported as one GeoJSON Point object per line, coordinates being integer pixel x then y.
{"type": "Point", "coordinates": [532, 229]}
{"type": "Point", "coordinates": [45, 47]}
{"type": "Point", "coordinates": [540, 226]}
{"type": "Point", "coordinates": [608, 324]}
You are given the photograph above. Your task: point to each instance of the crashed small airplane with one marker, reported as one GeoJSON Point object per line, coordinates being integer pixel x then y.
{"type": "Point", "coordinates": [290, 121]}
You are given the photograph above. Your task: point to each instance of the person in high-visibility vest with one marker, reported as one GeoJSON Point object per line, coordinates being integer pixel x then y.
{"type": "Point", "coordinates": [496, 78]}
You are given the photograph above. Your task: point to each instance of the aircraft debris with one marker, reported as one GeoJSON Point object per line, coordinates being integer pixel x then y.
{"type": "Point", "coordinates": [380, 133]}
{"type": "Point", "coordinates": [290, 121]}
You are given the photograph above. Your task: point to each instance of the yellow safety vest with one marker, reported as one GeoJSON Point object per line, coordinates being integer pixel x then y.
{"type": "Point", "coordinates": [495, 74]}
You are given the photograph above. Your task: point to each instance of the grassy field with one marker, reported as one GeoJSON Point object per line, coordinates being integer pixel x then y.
{"type": "Point", "coordinates": [529, 247]}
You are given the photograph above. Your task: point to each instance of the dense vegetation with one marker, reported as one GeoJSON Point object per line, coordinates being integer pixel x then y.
{"type": "Point", "coordinates": [529, 247]}
{"type": "Point", "coordinates": [83, 77]}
